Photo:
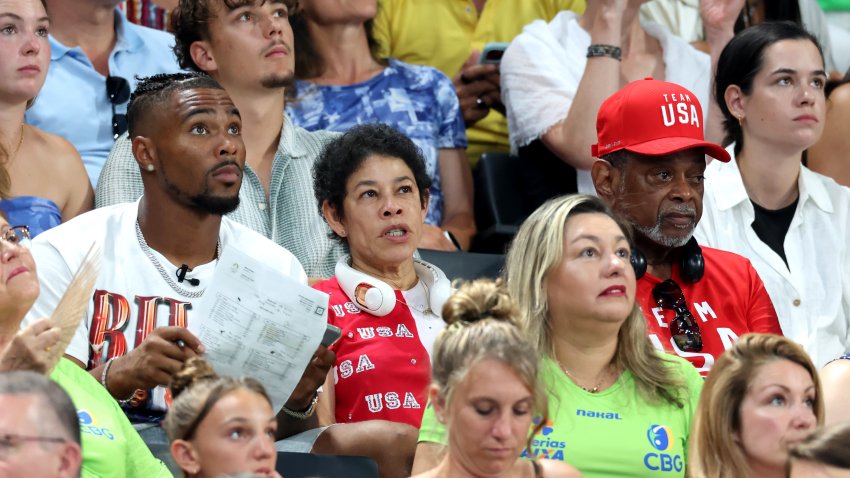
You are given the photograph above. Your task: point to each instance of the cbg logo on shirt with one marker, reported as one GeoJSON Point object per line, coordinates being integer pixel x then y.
{"type": "Point", "coordinates": [87, 425]}
{"type": "Point", "coordinates": [661, 438]}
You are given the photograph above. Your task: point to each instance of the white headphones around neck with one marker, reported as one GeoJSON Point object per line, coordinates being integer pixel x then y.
{"type": "Point", "coordinates": [379, 298]}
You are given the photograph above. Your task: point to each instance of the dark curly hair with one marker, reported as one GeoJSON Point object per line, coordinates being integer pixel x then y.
{"type": "Point", "coordinates": [742, 59]}
{"type": "Point", "coordinates": [152, 91]}
{"type": "Point", "coordinates": [344, 155]}
{"type": "Point", "coordinates": [190, 22]}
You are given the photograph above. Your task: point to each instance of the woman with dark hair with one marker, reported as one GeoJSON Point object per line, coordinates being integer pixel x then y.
{"type": "Point", "coordinates": [761, 397]}
{"type": "Point", "coordinates": [42, 179]}
{"type": "Point", "coordinates": [342, 82]}
{"type": "Point", "coordinates": [790, 222]}
{"type": "Point", "coordinates": [220, 425]}
{"type": "Point", "coordinates": [486, 389]}
{"type": "Point", "coordinates": [568, 271]}
{"type": "Point", "coordinates": [372, 189]}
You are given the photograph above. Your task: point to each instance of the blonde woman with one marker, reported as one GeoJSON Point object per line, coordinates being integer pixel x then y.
{"type": "Point", "coordinates": [569, 273]}
{"type": "Point", "coordinates": [486, 389]}
{"type": "Point", "coordinates": [761, 397]}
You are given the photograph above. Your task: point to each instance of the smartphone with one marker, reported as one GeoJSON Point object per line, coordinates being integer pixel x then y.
{"type": "Point", "coordinates": [492, 54]}
{"type": "Point", "coordinates": [332, 333]}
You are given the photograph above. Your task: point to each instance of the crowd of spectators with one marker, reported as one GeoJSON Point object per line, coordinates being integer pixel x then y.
{"type": "Point", "coordinates": [676, 301]}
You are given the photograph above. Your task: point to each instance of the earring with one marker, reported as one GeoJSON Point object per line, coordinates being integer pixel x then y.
{"type": "Point", "coordinates": [342, 233]}
{"type": "Point", "coordinates": [740, 120]}
{"type": "Point", "coordinates": [150, 167]}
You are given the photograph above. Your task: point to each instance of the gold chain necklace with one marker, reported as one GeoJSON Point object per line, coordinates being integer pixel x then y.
{"type": "Point", "coordinates": [596, 387]}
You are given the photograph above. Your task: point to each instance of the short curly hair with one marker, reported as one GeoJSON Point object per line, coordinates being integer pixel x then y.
{"type": "Point", "coordinates": [190, 22]}
{"type": "Point", "coordinates": [343, 156]}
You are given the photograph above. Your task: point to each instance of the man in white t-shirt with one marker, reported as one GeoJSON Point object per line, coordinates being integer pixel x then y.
{"type": "Point", "coordinates": [159, 253]}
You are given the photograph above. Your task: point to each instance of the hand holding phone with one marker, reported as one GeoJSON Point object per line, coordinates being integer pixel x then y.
{"type": "Point", "coordinates": [332, 334]}
{"type": "Point", "coordinates": [492, 54]}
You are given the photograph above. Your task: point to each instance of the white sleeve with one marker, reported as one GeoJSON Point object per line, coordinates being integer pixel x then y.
{"type": "Point", "coordinates": [54, 276]}
{"type": "Point", "coordinates": [540, 75]}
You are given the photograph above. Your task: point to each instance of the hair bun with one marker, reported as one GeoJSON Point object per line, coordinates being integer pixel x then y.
{"type": "Point", "coordinates": [478, 300]}
{"type": "Point", "coordinates": [194, 370]}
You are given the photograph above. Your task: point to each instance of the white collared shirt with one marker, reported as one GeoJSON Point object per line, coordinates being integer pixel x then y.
{"type": "Point", "coordinates": [812, 294]}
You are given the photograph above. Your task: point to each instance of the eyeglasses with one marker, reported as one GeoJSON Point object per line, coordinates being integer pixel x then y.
{"type": "Point", "coordinates": [9, 442]}
{"type": "Point", "coordinates": [16, 235]}
{"type": "Point", "coordinates": [118, 91]}
{"type": "Point", "coordinates": [683, 327]}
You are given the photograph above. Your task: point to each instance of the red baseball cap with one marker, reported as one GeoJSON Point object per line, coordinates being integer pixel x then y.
{"type": "Point", "coordinates": [653, 118]}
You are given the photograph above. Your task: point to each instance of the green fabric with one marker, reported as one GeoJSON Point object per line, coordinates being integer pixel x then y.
{"type": "Point", "coordinates": [835, 5]}
{"type": "Point", "coordinates": [607, 434]}
{"type": "Point", "coordinates": [111, 447]}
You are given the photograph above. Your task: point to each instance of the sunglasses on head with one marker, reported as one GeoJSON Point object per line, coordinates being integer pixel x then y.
{"type": "Point", "coordinates": [118, 91]}
{"type": "Point", "coordinates": [684, 328]}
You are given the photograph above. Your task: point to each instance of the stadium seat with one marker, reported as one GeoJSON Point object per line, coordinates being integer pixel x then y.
{"type": "Point", "coordinates": [307, 465]}
{"type": "Point", "coordinates": [499, 205]}
{"type": "Point", "coordinates": [465, 265]}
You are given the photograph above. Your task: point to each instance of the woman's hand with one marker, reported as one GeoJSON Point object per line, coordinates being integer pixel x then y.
{"type": "Point", "coordinates": [718, 18]}
{"type": "Point", "coordinates": [30, 348]}
{"type": "Point", "coordinates": [433, 238]}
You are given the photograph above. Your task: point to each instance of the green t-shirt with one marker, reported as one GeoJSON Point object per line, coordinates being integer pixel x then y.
{"type": "Point", "coordinates": [835, 5]}
{"type": "Point", "coordinates": [111, 446]}
{"type": "Point", "coordinates": [607, 434]}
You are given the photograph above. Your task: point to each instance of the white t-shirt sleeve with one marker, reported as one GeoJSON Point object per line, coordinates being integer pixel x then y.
{"type": "Point", "coordinates": [54, 276]}
{"type": "Point", "coordinates": [540, 75]}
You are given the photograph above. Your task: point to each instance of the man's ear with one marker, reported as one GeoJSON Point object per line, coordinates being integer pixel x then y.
{"type": "Point", "coordinates": [333, 219]}
{"type": "Point", "coordinates": [145, 153]}
{"type": "Point", "coordinates": [185, 456]}
{"type": "Point", "coordinates": [735, 101]}
{"type": "Point", "coordinates": [202, 55]}
{"type": "Point", "coordinates": [70, 460]}
{"type": "Point", "coordinates": [606, 178]}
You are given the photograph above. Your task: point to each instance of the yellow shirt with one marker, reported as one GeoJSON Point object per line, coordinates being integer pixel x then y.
{"type": "Point", "coordinates": [443, 33]}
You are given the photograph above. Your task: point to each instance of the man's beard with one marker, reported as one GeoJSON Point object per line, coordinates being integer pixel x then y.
{"type": "Point", "coordinates": [656, 234]}
{"type": "Point", "coordinates": [216, 205]}
{"type": "Point", "coordinates": [205, 201]}
{"type": "Point", "coordinates": [275, 81]}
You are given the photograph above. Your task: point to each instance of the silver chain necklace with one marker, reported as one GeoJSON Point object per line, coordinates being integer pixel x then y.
{"type": "Point", "coordinates": [147, 250]}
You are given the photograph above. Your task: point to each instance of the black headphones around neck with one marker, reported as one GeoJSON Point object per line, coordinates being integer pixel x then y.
{"type": "Point", "coordinates": [692, 266]}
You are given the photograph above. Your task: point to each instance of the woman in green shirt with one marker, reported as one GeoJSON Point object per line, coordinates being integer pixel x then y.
{"type": "Point", "coordinates": [569, 272]}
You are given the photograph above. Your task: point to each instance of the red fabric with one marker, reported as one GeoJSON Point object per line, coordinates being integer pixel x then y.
{"type": "Point", "coordinates": [728, 302]}
{"type": "Point", "coordinates": [382, 370]}
{"type": "Point", "coordinates": [652, 117]}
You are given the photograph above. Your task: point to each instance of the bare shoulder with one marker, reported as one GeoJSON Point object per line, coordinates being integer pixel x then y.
{"type": "Point", "coordinates": [836, 371]}
{"type": "Point", "coordinates": [840, 95]}
{"type": "Point", "coordinates": [427, 474]}
{"type": "Point", "coordinates": [56, 150]}
{"type": "Point", "coordinates": [558, 469]}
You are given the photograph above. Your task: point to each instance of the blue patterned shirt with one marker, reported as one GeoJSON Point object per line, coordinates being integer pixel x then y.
{"type": "Point", "coordinates": [417, 100]}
